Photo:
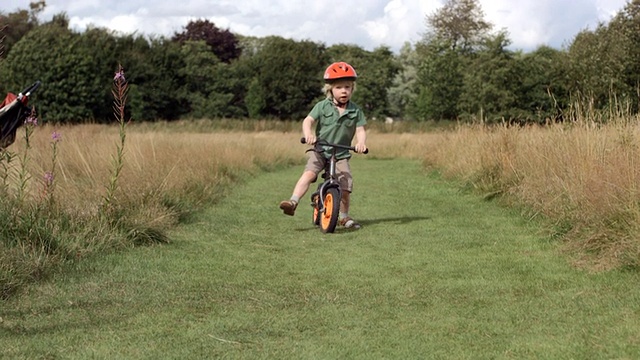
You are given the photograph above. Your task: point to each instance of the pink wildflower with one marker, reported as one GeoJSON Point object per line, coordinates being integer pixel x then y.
{"type": "Point", "coordinates": [119, 76]}
{"type": "Point", "coordinates": [31, 120]}
{"type": "Point", "coordinates": [48, 178]}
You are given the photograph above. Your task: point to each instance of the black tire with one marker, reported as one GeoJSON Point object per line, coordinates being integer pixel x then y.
{"type": "Point", "coordinates": [329, 217]}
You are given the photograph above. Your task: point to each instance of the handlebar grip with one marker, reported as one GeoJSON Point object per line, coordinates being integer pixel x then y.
{"type": "Point", "coordinates": [304, 141]}
{"type": "Point", "coordinates": [30, 89]}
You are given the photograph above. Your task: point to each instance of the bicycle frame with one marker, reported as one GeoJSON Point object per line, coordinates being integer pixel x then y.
{"type": "Point", "coordinates": [330, 180]}
{"type": "Point", "coordinates": [326, 199]}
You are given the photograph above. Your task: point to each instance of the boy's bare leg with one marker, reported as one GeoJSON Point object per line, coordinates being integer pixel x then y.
{"type": "Point", "coordinates": [301, 188]}
{"type": "Point", "coordinates": [345, 219]}
{"type": "Point", "coordinates": [344, 203]}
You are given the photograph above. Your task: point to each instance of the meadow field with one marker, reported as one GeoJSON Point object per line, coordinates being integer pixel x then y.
{"type": "Point", "coordinates": [477, 242]}
{"type": "Point", "coordinates": [581, 179]}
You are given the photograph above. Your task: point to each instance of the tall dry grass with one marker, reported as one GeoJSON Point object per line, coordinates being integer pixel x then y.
{"type": "Point", "coordinates": [583, 177]}
{"type": "Point", "coordinates": [165, 177]}
{"type": "Point", "coordinates": [160, 168]}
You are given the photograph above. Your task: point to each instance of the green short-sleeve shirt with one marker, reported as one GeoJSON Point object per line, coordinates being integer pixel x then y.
{"type": "Point", "coordinates": [336, 128]}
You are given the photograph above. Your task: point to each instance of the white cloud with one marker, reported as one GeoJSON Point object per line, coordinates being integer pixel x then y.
{"type": "Point", "coordinates": [370, 23]}
{"type": "Point", "coordinates": [548, 22]}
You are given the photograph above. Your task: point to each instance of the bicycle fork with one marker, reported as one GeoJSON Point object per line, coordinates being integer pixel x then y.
{"type": "Point", "coordinates": [320, 193]}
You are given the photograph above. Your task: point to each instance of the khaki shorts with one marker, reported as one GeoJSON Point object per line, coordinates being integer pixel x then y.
{"type": "Point", "coordinates": [317, 162]}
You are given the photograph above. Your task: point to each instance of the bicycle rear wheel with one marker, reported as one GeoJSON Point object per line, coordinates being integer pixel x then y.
{"type": "Point", "coordinates": [329, 217]}
{"type": "Point", "coordinates": [315, 203]}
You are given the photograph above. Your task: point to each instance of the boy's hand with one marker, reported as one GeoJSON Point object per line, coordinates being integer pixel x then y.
{"type": "Point", "coordinates": [360, 148]}
{"type": "Point", "coordinates": [311, 139]}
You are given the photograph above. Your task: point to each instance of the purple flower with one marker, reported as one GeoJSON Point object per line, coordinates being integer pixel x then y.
{"type": "Point", "coordinates": [56, 136]}
{"type": "Point", "coordinates": [48, 178]}
{"type": "Point", "coordinates": [31, 120]}
{"type": "Point", "coordinates": [119, 76]}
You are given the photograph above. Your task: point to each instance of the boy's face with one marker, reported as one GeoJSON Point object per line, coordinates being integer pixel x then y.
{"type": "Point", "coordinates": [342, 91]}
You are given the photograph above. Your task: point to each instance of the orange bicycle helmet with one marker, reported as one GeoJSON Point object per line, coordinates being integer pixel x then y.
{"type": "Point", "coordinates": [340, 71]}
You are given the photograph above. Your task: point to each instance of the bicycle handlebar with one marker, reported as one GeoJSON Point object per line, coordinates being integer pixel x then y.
{"type": "Point", "coordinates": [321, 142]}
{"type": "Point", "coordinates": [30, 89]}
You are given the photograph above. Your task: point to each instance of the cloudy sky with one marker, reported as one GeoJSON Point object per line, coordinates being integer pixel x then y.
{"type": "Point", "coordinates": [367, 23]}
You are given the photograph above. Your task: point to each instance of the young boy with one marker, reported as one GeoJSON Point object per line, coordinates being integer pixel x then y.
{"type": "Point", "coordinates": [338, 121]}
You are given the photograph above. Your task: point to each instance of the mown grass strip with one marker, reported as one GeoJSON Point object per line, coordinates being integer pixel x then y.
{"type": "Point", "coordinates": [434, 273]}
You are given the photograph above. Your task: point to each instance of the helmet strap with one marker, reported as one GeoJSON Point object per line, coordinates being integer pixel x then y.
{"type": "Point", "coordinates": [339, 104]}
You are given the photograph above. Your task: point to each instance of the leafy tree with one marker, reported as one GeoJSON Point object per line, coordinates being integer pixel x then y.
{"type": "Point", "coordinates": [401, 94]}
{"type": "Point", "coordinates": [597, 66]}
{"type": "Point", "coordinates": [285, 78]}
{"type": "Point", "coordinates": [58, 58]}
{"type": "Point", "coordinates": [223, 43]}
{"type": "Point", "coordinates": [624, 38]}
{"type": "Point", "coordinates": [376, 71]}
{"type": "Point", "coordinates": [490, 82]}
{"type": "Point", "coordinates": [210, 85]}
{"type": "Point", "coordinates": [439, 82]}
{"type": "Point", "coordinates": [13, 26]}
{"type": "Point", "coordinates": [152, 68]}
{"type": "Point", "coordinates": [199, 72]}
{"type": "Point", "coordinates": [256, 99]}
{"type": "Point", "coordinates": [454, 32]}
{"type": "Point", "coordinates": [102, 44]}
{"type": "Point", "coordinates": [459, 23]}
{"type": "Point", "coordinates": [543, 92]}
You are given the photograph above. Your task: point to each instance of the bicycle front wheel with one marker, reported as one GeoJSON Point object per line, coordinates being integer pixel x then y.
{"type": "Point", "coordinates": [329, 217]}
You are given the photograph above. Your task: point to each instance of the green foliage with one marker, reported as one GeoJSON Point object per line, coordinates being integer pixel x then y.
{"type": "Point", "coordinates": [210, 85]}
{"type": "Point", "coordinates": [543, 92]}
{"type": "Point", "coordinates": [625, 27]}
{"type": "Point", "coordinates": [155, 79]}
{"type": "Point", "coordinates": [459, 70]}
{"type": "Point", "coordinates": [222, 43]}
{"type": "Point", "coordinates": [13, 26]}
{"type": "Point", "coordinates": [489, 90]}
{"type": "Point", "coordinates": [604, 65]}
{"type": "Point", "coordinates": [447, 48]}
{"type": "Point", "coordinates": [151, 67]}
{"type": "Point", "coordinates": [460, 23]}
{"type": "Point", "coordinates": [401, 94]}
{"type": "Point", "coordinates": [439, 82]}
{"type": "Point", "coordinates": [57, 57]}
{"type": "Point", "coordinates": [285, 78]}
{"type": "Point", "coordinates": [255, 100]}
{"type": "Point", "coordinates": [597, 62]}
{"type": "Point", "coordinates": [102, 44]}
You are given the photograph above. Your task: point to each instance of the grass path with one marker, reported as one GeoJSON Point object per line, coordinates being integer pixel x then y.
{"type": "Point", "coordinates": [434, 273]}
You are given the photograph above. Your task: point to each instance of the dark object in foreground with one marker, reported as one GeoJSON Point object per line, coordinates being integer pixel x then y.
{"type": "Point", "coordinates": [13, 112]}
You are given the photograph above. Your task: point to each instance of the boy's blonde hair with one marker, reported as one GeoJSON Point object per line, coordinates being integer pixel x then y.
{"type": "Point", "coordinates": [326, 89]}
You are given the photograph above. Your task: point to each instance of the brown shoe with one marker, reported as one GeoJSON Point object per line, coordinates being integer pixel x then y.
{"type": "Point", "coordinates": [349, 223]}
{"type": "Point", "coordinates": [288, 207]}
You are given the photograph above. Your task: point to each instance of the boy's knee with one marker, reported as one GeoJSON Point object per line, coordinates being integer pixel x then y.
{"type": "Point", "coordinates": [310, 176]}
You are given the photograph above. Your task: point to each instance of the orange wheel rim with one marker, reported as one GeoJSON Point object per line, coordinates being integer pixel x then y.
{"type": "Point", "coordinates": [328, 209]}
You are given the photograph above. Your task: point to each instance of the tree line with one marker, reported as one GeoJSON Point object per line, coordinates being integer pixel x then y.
{"type": "Point", "coordinates": [461, 69]}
